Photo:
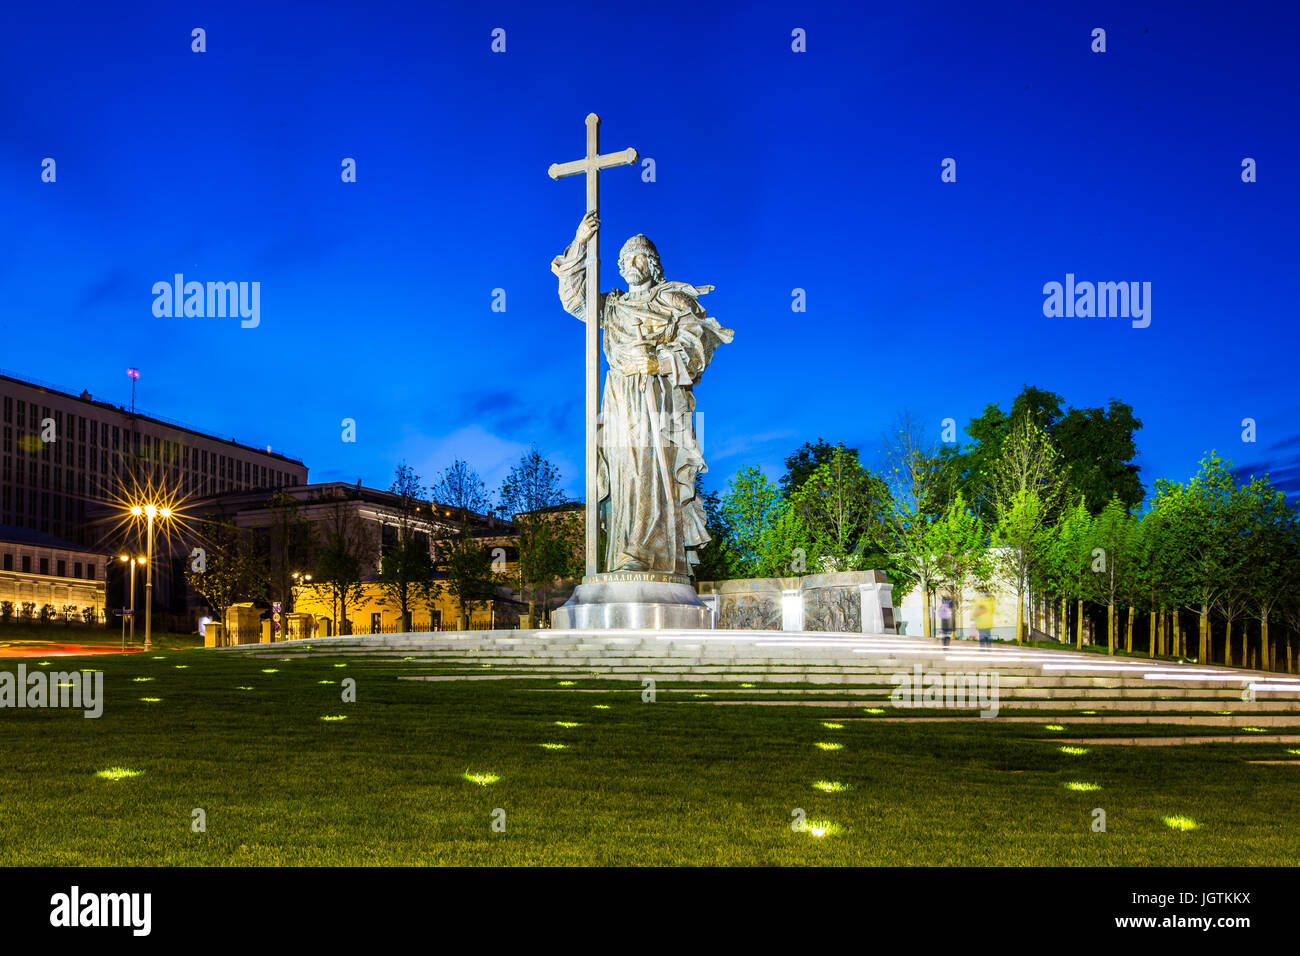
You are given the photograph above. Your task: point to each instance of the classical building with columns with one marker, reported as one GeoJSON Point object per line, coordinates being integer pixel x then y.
{"type": "Point", "coordinates": [39, 572]}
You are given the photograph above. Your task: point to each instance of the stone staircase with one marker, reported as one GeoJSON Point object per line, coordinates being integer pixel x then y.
{"type": "Point", "coordinates": [783, 669]}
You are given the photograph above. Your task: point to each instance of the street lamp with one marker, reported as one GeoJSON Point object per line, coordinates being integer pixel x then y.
{"type": "Point", "coordinates": [150, 511]}
{"type": "Point", "coordinates": [131, 601]}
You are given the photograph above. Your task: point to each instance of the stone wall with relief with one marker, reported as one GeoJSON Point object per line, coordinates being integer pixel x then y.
{"type": "Point", "coordinates": [853, 602]}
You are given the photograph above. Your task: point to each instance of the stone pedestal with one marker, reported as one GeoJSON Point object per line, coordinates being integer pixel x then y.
{"type": "Point", "coordinates": [633, 599]}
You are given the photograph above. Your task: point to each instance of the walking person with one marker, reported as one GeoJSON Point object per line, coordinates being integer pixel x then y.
{"type": "Point", "coordinates": [984, 619]}
{"type": "Point", "coordinates": [945, 614]}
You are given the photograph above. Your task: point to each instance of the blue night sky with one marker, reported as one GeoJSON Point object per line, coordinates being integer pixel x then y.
{"type": "Point", "coordinates": [775, 170]}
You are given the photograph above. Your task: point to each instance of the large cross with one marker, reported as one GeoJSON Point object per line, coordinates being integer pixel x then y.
{"type": "Point", "coordinates": [591, 165]}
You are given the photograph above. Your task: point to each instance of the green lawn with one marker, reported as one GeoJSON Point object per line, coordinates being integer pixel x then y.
{"type": "Point", "coordinates": [663, 783]}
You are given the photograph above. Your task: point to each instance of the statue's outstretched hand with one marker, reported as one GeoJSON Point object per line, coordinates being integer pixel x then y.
{"type": "Point", "coordinates": [587, 228]}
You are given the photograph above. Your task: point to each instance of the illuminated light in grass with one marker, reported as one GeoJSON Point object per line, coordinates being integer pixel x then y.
{"type": "Point", "coordinates": [327, 682]}
{"type": "Point", "coordinates": [875, 710]}
{"type": "Point", "coordinates": [47, 663]}
{"type": "Point", "coordinates": [335, 717]}
{"type": "Point", "coordinates": [1224, 713]}
{"type": "Point", "coordinates": [1255, 730]}
{"type": "Point", "coordinates": [1082, 787]}
{"type": "Point", "coordinates": [600, 706]}
{"type": "Point", "coordinates": [553, 746]}
{"type": "Point", "coordinates": [829, 725]}
{"type": "Point", "coordinates": [482, 779]}
{"type": "Point", "coordinates": [567, 723]}
{"type": "Point", "coordinates": [117, 773]}
{"type": "Point", "coordinates": [243, 688]}
{"type": "Point", "coordinates": [822, 745]}
{"type": "Point", "coordinates": [748, 685]}
{"type": "Point", "coordinates": [485, 665]}
{"type": "Point", "coordinates": [821, 828]}
{"type": "Point", "coordinates": [66, 684]}
{"type": "Point", "coordinates": [270, 670]}
{"type": "Point", "coordinates": [566, 683]}
{"type": "Point", "coordinates": [1053, 727]}
{"type": "Point", "coordinates": [141, 680]}
{"type": "Point", "coordinates": [181, 667]}
{"type": "Point", "coordinates": [830, 786]}
{"type": "Point", "coordinates": [152, 700]}
{"type": "Point", "coordinates": [1181, 823]}
{"type": "Point", "coordinates": [1074, 751]}
{"type": "Point", "coordinates": [408, 658]}
{"type": "Point", "coordinates": [699, 695]}
{"type": "Point", "coordinates": [340, 665]}
{"type": "Point", "coordinates": [1294, 751]}
{"type": "Point", "coordinates": [285, 659]}
{"type": "Point", "coordinates": [1088, 712]}
{"type": "Point", "coordinates": [160, 658]}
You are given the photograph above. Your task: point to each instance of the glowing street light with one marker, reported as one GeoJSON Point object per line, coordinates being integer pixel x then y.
{"type": "Point", "coordinates": [133, 562]}
{"type": "Point", "coordinates": [149, 511]}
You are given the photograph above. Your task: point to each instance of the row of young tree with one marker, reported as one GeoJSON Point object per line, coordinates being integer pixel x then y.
{"type": "Point", "coordinates": [1043, 503]}
{"type": "Point", "coordinates": [334, 556]}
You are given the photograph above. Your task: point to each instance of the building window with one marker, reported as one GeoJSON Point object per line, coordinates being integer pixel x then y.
{"type": "Point", "coordinates": [90, 572]}
{"type": "Point", "coordinates": [76, 569]}
{"type": "Point", "coordinates": [27, 564]}
{"type": "Point", "coordinates": [9, 558]}
{"type": "Point", "coordinates": [62, 569]}
{"type": "Point", "coordinates": [45, 565]}
{"type": "Point", "coordinates": [374, 623]}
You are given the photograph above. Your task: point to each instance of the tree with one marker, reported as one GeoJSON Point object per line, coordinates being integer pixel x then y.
{"type": "Point", "coordinates": [916, 476]}
{"type": "Point", "coordinates": [806, 459]}
{"type": "Point", "coordinates": [460, 491]}
{"type": "Point", "coordinates": [751, 505]}
{"type": "Point", "coordinates": [1024, 490]}
{"type": "Point", "coordinates": [470, 579]}
{"type": "Point", "coordinates": [289, 546]}
{"type": "Point", "coordinates": [1071, 562]}
{"type": "Point", "coordinates": [341, 559]}
{"type": "Point", "coordinates": [843, 507]}
{"type": "Point", "coordinates": [406, 570]}
{"type": "Point", "coordinates": [959, 542]}
{"type": "Point", "coordinates": [718, 559]}
{"type": "Point", "coordinates": [1098, 449]}
{"type": "Point", "coordinates": [1113, 533]}
{"type": "Point", "coordinates": [230, 570]}
{"type": "Point", "coordinates": [1272, 566]}
{"type": "Point", "coordinates": [550, 539]}
{"type": "Point", "coordinates": [1193, 556]}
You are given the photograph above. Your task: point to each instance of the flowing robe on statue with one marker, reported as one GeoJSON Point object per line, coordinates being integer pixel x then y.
{"type": "Point", "coordinates": [647, 451]}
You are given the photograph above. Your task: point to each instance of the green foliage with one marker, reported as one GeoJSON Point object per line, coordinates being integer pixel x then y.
{"type": "Point", "coordinates": [6, 611]}
{"type": "Point", "coordinates": [1096, 448]}
{"type": "Point", "coordinates": [718, 559]}
{"type": "Point", "coordinates": [750, 507]}
{"type": "Point", "coordinates": [550, 539]}
{"type": "Point", "coordinates": [806, 459]}
{"type": "Point", "coordinates": [470, 579]}
{"type": "Point", "coordinates": [406, 572]}
{"type": "Point", "coordinates": [843, 508]}
{"type": "Point", "coordinates": [232, 570]}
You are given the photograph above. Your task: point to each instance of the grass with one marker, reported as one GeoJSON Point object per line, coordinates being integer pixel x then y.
{"type": "Point", "coordinates": [403, 779]}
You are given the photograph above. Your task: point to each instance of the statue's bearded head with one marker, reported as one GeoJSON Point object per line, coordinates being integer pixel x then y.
{"type": "Point", "coordinates": [639, 260]}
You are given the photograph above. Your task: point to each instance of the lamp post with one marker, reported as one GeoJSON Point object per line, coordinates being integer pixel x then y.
{"type": "Point", "coordinates": [131, 601]}
{"type": "Point", "coordinates": [150, 511]}
{"type": "Point", "coordinates": [300, 579]}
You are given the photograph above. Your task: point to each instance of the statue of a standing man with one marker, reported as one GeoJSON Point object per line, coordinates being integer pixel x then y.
{"type": "Point", "coordinates": [658, 341]}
